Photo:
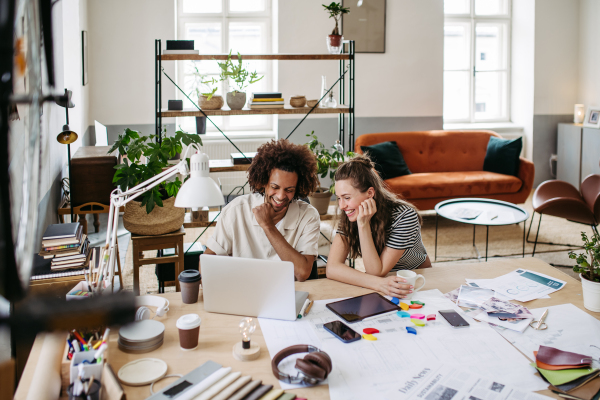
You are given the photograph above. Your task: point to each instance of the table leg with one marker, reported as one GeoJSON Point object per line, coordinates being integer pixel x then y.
{"type": "Point", "coordinates": [474, 235]}
{"type": "Point", "coordinates": [524, 229]}
{"type": "Point", "coordinates": [487, 234]}
{"type": "Point", "coordinates": [179, 264]}
{"type": "Point", "coordinates": [83, 221]}
{"type": "Point", "coordinates": [436, 228]}
{"type": "Point", "coordinates": [136, 269]}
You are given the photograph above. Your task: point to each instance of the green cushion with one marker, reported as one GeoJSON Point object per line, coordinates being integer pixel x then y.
{"type": "Point", "coordinates": [502, 156]}
{"type": "Point", "coordinates": [388, 159]}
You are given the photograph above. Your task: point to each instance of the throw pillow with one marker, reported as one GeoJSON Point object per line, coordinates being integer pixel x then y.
{"type": "Point", "coordinates": [388, 159]}
{"type": "Point", "coordinates": [502, 156]}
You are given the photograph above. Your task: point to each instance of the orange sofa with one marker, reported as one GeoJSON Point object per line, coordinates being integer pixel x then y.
{"type": "Point", "coordinates": [449, 164]}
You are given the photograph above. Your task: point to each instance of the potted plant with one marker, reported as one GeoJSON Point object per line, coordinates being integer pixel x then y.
{"type": "Point", "coordinates": [241, 78]}
{"type": "Point", "coordinates": [334, 41]}
{"type": "Point", "coordinates": [205, 90]}
{"type": "Point", "coordinates": [144, 159]}
{"type": "Point", "coordinates": [589, 270]}
{"type": "Point", "coordinates": [328, 161]}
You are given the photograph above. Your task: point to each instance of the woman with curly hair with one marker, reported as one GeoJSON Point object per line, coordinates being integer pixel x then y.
{"type": "Point", "coordinates": [377, 225]}
{"type": "Point", "coordinates": [272, 223]}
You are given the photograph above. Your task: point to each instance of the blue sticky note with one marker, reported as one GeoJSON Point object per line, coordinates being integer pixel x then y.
{"type": "Point", "coordinates": [395, 300]}
{"type": "Point", "coordinates": [403, 314]}
{"type": "Point", "coordinates": [411, 330]}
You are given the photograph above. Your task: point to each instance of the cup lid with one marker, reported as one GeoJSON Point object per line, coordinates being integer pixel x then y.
{"type": "Point", "coordinates": [189, 275]}
{"type": "Point", "coordinates": [189, 321]}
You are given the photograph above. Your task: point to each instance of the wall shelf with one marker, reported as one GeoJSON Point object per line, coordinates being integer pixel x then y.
{"type": "Point", "coordinates": [193, 112]}
{"type": "Point", "coordinates": [198, 57]}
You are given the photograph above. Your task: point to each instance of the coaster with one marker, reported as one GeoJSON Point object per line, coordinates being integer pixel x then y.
{"type": "Point", "coordinates": [142, 372]}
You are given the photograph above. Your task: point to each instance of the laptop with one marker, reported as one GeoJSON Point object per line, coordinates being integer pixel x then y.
{"type": "Point", "coordinates": [250, 287]}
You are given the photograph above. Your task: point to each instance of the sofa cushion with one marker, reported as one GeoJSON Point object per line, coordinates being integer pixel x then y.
{"type": "Point", "coordinates": [388, 159]}
{"type": "Point", "coordinates": [453, 184]}
{"type": "Point", "coordinates": [502, 156]}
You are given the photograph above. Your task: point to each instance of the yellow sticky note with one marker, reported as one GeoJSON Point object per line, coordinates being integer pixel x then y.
{"type": "Point", "coordinates": [367, 336]}
{"type": "Point", "coordinates": [417, 322]}
{"type": "Point", "coordinates": [404, 306]}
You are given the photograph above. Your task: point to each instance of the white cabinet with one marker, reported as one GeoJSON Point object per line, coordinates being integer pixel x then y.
{"type": "Point", "coordinates": [578, 151]}
{"type": "Point", "coordinates": [590, 152]}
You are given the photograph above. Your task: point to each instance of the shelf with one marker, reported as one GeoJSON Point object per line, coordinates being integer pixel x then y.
{"type": "Point", "coordinates": [192, 112]}
{"type": "Point", "coordinates": [176, 57]}
{"type": "Point", "coordinates": [226, 166]}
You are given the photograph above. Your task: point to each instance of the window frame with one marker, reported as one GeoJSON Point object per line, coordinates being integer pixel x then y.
{"type": "Point", "coordinates": [224, 18]}
{"type": "Point", "coordinates": [473, 20]}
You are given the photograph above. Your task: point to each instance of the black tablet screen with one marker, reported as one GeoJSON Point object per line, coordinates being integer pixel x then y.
{"type": "Point", "coordinates": [357, 308]}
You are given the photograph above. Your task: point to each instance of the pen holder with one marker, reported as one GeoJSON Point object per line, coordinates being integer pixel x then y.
{"type": "Point", "coordinates": [88, 369]}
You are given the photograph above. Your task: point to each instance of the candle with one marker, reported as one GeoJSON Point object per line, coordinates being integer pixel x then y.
{"type": "Point", "coordinates": [579, 114]}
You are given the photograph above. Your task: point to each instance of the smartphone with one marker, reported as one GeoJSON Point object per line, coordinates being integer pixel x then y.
{"type": "Point", "coordinates": [342, 331]}
{"type": "Point", "coordinates": [454, 318]}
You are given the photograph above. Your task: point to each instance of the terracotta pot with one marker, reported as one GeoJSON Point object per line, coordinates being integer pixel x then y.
{"type": "Point", "coordinates": [320, 200]}
{"type": "Point", "coordinates": [591, 294]}
{"type": "Point", "coordinates": [236, 100]}
{"type": "Point", "coordinates": [215, 103]}
{"type": "Point", "coordinates": [335, 40]}
{"type": "Point", "coordinates": [161, 220]}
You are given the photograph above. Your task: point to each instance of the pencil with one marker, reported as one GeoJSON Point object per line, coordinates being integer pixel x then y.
{"type": "Point", "coordinates": [308, 308]}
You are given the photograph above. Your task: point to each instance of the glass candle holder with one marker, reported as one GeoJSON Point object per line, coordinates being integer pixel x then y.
{"type": "Point", "coordinates": [579, 113]}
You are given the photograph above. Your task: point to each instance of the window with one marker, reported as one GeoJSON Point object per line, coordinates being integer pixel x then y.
{"type": "Point", "coordinates": [218, 26]}
{"type": "Point", "coordinates": [476, 60]}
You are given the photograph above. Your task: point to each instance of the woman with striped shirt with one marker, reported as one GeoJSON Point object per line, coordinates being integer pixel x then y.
{"type": "Point", "coordinates": [377, 226]}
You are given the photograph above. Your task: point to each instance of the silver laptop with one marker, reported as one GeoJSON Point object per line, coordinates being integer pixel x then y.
{"type": "Point", "coordinates": [250, 287]}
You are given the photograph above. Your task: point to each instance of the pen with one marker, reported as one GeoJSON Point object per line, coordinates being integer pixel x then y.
{"type": "Point", "coordinates": [541, 321]}
{"type": "Point", "coordinates": [308, 308]}
{"type": "Point", "coordinates": [301, 313]}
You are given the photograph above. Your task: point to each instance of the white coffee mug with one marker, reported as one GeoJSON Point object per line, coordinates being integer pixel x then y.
{"type": "Point", "coordinates": [411, 279]}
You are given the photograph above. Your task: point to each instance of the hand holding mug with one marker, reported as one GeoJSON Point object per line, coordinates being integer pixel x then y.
{"type": "Point", "coordinates": [411, 278]}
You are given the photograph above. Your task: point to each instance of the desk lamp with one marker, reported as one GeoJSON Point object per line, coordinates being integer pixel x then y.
{"type": "Point", "coordinates": [199, 190]}
{"type": "Point", "coordinates": [246, 350]}
{"type": "Point", "coordinates": [67, 136]}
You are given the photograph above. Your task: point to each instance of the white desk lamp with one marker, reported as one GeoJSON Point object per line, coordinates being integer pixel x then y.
{"type": "Point", "coordinates": [198, 191]}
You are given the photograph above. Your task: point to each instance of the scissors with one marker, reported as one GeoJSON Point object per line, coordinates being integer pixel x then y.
{"type": "Point", "coordinates": [540, 325]}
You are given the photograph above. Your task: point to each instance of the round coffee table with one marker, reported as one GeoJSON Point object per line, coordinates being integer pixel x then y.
{"type": "Point", "coordinates": [485, 212]}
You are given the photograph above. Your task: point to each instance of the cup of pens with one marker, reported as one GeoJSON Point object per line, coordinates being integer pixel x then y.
{"type": "Point", "coordinates": [87, 389]}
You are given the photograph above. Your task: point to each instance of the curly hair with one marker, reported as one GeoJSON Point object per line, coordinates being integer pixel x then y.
{"type": "Point", "coordinates": [286, 156]}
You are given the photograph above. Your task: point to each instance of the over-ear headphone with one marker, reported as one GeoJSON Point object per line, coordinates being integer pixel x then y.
{"type": "Point", "coordinates": [143, 312]}
{"type": "Point", "coordinates": [314, 367]}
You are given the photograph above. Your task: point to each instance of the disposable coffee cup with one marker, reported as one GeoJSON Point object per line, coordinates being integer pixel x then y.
{"type": "Point", "coordinates": [189, 330]}
{"type": "Point", "coordinates": [411, 279]}
{"type": "Point", "coordinates": [189, 281]}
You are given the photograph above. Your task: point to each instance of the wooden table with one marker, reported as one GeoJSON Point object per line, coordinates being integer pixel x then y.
{"type": "Point", "coordinates": [220, 332]}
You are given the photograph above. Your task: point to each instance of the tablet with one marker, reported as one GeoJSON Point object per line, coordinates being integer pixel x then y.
{"type": "Point", "coordinates": [358, 308]}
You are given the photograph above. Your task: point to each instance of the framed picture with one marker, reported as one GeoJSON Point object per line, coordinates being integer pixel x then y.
{"type": "Point", "coordinates": [84, 58]}
{"type": "Point", "coordinates": [365, 24]}
{"type": "Point", "coordinates": [592, 117]}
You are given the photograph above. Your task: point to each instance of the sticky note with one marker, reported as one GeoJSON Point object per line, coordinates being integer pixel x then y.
{"type": "Point", "coordinates": [370, 331]}
{"type": "Point", "coordinates": [417, 302]}
{"type": "Point", "coordinates": [369, 337]}
{"type": "Point", "coordinates": [412, 330]}
{"type": "Point", "coordinates": [403, 314]}
{"type": "Point", "coordinates": [395, 300]}
{"type": "Point", "coordinates": [418, 316]}
{"type": "Point", "coordinates": [415, 306]}
{"type": "Point", "coordinates": [417, 322]}
{"type": "Point", "coordinates": [431, 317]}
{"type": "Point", "coordinates": [404, 306]}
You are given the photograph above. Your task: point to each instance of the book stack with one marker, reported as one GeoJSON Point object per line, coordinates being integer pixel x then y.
{"type": "Point", "coordinates": [262, 100]}
{"type": "Point", "coordinates": [66, 246]}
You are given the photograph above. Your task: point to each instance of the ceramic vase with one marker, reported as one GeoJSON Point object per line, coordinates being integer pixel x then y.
{"type": "Point", "coordinates": [591, 294]}
{"type": "Point", "coordinates": [236, 100]}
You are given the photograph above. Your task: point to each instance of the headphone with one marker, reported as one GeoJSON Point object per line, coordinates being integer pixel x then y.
{"type": "Point", "coordinates": [314, 367]}
{"type": "Point", "coordinates": [161, 304]}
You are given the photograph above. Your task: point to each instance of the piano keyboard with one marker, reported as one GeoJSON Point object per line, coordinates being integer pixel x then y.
{"type": "Point", "coordinates": [60, 274]}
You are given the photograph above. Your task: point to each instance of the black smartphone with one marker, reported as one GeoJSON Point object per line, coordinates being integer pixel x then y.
{"type": "Point", "coordinates": [454, 318]}
{"type": "Point", "coordinates": [342, 331]}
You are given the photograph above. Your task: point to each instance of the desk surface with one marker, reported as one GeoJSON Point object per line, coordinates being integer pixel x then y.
{"type": "Point", "coordinates": [219, 332]}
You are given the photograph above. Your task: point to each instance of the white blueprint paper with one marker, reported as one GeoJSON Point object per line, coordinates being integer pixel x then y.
{"type": "Point", "coordinates": [522, 285]}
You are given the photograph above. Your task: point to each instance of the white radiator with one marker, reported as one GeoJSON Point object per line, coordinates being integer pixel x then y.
{"type": "Point", "coordinates": [222, 149]}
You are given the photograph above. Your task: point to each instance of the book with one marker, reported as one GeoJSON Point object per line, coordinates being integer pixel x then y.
{"type": "Point", "coordinates": [167, 52]}
{"type": "Point", "coordinates": [61, 242]}
{"type": "Point", "coordinates": [265, 103]}
{"type": "Point", "coordinates": [65, 252]}
{"type": "Point", "coordinates": [62, 247]}
{"type": "Point", "coordinates": [264, 106]}
{"type": "Point", "coordinates": [266, 95]}
{"type": "Point", "coordinates": [75, 264]}
{"type": "Point", "coordinates": [274, 99]}
{"type": "Point", "coordinates": [61, 231]}
{"type": "Point", "coordinates": [239, 159]}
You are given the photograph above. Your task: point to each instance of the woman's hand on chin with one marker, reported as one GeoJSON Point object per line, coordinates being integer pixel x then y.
{"type": "Point", "coordinates": [366, 210]}
{"type": "Point", "coordinates": [395, 286]}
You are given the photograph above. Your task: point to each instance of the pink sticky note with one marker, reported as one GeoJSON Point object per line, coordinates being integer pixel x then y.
{"type": "Point", "coordinates": [417, 316]}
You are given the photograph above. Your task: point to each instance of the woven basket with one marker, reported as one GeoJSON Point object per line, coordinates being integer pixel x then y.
{"type": "Point", "coordinates": [215, 102]}
{"type": "Point", "coordinates": [161, 220]}
{"type": "Point", "coordinates": [298, 101]}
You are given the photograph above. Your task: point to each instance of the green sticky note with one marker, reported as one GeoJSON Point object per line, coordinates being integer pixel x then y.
{"type": "Point", "coordinates": [560, 377]}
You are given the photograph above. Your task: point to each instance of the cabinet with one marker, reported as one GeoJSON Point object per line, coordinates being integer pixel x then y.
{"type": "Point", "coordinates": [590, 152]}
{"type": "Point", "coordinates": [578, 151]}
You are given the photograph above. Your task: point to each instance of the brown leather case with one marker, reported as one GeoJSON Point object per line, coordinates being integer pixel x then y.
{"type": "Point", "coordinates": [92, 171]}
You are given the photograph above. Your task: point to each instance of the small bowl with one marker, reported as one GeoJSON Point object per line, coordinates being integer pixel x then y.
{"type": "Point", "coordinates": [312, 103]}
{"type": "Point", "coordinates": [297, 101]}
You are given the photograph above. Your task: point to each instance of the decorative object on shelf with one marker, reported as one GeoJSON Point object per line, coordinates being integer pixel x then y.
{"type": "Point", "coordinates": [200, 125]}
{"type": "Point", "coordinates": [298, 101]}
{"type": "Point", "coordinates": [240, 159]}
{"type": "Point", "coordinates": [207, 100]}
{"type": "Point", "coordinates": [180, 45]}
{"type": "Point", "coordinates": [324, 87]}
{"type": "Point", "coordinates": [327, 163]}
{"type": "Point", "coordinates": [579, 113]}
{"type": "Point", "coordinates": [246, 350]}
{"type": "Point", "coordinates": [67, 136]}
{"type": "Point", "coordinates": [312, 103]}
{"type": "Point", "coordinates": [589, 270]}
{"type": "Point", "coordinates": [330, 102]}
{"type": "Point", "coordinates": [365, 24]}
{"type": "Point", "coordinates": [262, 100]}
{"type": "Point", "coordinates": [210, 102]}
{"type": "Point", "coordinates": [592, 117]}
{"type": "Point", "coordinates": [150, 220]}
{"type": "Point", "coordinates": [334, 41]}
{"type": "Point", "coordinates": [176, 105]}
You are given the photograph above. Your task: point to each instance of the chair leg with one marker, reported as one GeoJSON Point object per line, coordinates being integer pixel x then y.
{"type": "Point", "coordinates": [548, 243]}
{"type": "Point", "coordinates": [531, 223]}
{"type": "Point", "coordinates": [536, 236]}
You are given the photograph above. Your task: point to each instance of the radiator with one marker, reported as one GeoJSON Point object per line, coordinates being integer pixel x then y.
{"type": "Point", "coordinates": [221, 149]}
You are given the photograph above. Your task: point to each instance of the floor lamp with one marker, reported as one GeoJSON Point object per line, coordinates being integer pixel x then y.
{"type": "Point", "coordinates": [67, 136]}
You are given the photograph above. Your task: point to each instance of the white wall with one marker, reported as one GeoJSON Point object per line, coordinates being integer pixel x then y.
{"type": "Point", "coordinates": [589, 54]}
{"type": "Point", "coordinates": [121, 51]}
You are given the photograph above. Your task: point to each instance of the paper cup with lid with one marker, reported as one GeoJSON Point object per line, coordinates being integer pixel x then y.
{"type": "Point", "coordinates": [189, 281]}
{"type": "Point", "coordinates": [189, 330]}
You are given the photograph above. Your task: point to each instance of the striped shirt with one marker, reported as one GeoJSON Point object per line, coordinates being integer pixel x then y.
{"type": "Point", "coordinates": [404, 233]}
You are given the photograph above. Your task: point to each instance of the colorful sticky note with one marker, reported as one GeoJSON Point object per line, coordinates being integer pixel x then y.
{"type": "Point", "coordinates": [431, 317]}
{"type": "Point", "coordinates": [417, 322]}
{"type": "Point", "coordinates": [415, 306]}
{"type": "Point", "coordinates": [418, 316]}
{"type": "Point", "coordinates": [404, 306]}
{"type": "Point", "coordinates": [370, 331]}
{"type": "Point", "coordinates": [369, 337]}
{"type": "Point", "coordinates": [412, 330]}
{"type": "Point", "coordinates": [403, 314]}
{"type": "Point", "coordinates": [395, 300]}
{"type": "Point", "coordinates": [417, 302]}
